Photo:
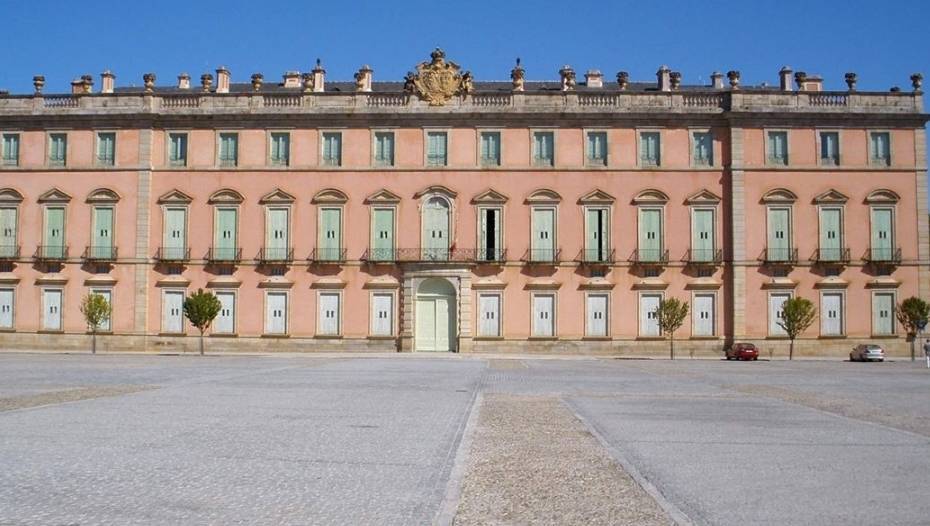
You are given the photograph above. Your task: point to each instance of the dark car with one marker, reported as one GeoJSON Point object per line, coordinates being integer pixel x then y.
{"type": "Point", "coordinates": [742, 351]}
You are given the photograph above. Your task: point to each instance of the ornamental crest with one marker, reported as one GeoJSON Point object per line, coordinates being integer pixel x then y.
{"type": "Point", "coordinates": [438, 80]}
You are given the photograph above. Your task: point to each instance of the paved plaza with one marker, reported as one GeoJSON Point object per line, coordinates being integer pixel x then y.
{"type": "Point", "coordinates": [413, 439]}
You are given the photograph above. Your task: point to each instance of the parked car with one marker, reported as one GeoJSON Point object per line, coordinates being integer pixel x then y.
{"type": "Point", "coordinates": [867, 352]}
{"type": "Point", "coordinates": [742, 351]}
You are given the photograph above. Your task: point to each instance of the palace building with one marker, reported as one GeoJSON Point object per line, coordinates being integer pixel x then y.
{"type": "Point", "coordinates": [445, 213]}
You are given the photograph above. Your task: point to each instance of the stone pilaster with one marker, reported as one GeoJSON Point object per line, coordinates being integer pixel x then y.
{"type": "Point", "coordinates": [923, 224]}
{"type": "Point", "coordinates": [738, 232]}
{"type": "Point", "coordinates": [143, 223]}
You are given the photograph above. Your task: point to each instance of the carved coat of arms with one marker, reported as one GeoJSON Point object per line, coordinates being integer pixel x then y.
{"type": "Point", "coordinates": [438, 80]}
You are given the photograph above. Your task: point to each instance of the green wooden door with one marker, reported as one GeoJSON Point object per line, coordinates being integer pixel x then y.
{"type": "Point", "coordinates": [276, 242]}
{"type": "Point", "coordinates": [779, 246]}
{"type": "Point", "coordinates": [175, 240]}
{"type": "Point", "coordinates": [650, 234]}
{"type": "Point", "coordinates": [7, 232]}
{"type": "Point", "coordinates": [54, 232]}
{"type": "Point", "coordinates": [543, 241]}
{"type": "Point", "coordinates": [330, 245]}
{"type": "Point", "coordinates": [830, 231]}
{"type": "Point", "coordinates": [382, 235]}
{"type": "Point", "coordinates": [224, 246]}
{"type": "Point", "coordinates": [882, 242]}
{"type": "Point", "coordinates": [436, 230]}
{"type": "Point", "coordinates": [102, 242]}
{"type": "Point", "coordinates": [702, 235]}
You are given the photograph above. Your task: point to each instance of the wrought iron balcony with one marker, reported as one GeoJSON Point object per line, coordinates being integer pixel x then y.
{"type": "Point", "coordinates": [649, 256]}
{"type": "Point", "coordinates": [327, 255]}
{"type": "Point", "coordinates": [224, 255]}
{"type": "Point", "coordinates": [883, 255]}
{"type": "Point", "coordinates": [272, 256]}
{"type": "Point", "coordinates": [99, 253]}
{"type": "Point", "coordinates": [380, 255]}
{"type": "Point", "coordinates": [779, 256]}
{"type": "Point", "coordinates": [436, 255]}
{"type": "Point", "coordinates": [9, 252]}
{"type": "Point", "coordinates": [542, 256]}
{"type": "Point", "coordinates": [51, 253]}
{"type": "Point", "coordinates": [830, 255]}
{"type": "Point", "coordinates": [490, 255]}
{"type": "Point", "coordinates": [595, 256]}
{"type": "Point", "coordinates": [703, 256]}
{"type": "Point", "coordinates": [173, 254]}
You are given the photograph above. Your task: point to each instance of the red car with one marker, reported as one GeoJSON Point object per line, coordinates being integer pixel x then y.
{"type": "Point", "coordinates": [742, 351]}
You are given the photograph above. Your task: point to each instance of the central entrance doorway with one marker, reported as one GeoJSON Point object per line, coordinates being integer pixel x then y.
{"type": "Point", "coordinates": [435, 316]}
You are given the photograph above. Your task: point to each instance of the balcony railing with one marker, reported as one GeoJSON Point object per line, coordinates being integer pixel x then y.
{"type": "Point", "coordinates": [882, 255]}
{"type": "Point", "coordinates": [490, 255]}
{"type": "Point", "coordinates": [275, 255]}
{"type": "Point", "coordinates": [436, 255]}
{"type": "Point", "coordinates": [380, 255]}
{"type": "Point", "coordinates": [542, 256]}
{"type": "Point", "coordinates": [595, 256]}
{"type": "Point", "coordinates": [9, 252]}
{"type": "Point", "coordinates": [830, 255]}
{"type": "Point", "coordinates": [779, 256]}
{"type": "Point", "coordinates": [51, 253]}
{"type": "Point", "coordinates": [99, 253]}
{"type": "Point", "coordinates": [173, 254]}
{"type": "Point", "coordinates": [327, 255]}
{"type": "Point", "coordinates": [703, 256]}
{"type": "Point", "coordinates": [224, 255]}
{"type": "Point", "coordinates": [649, 256]}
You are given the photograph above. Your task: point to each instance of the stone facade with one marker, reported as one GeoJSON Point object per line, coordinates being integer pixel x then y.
{"type": "Point", "coordinates": [542, 216]}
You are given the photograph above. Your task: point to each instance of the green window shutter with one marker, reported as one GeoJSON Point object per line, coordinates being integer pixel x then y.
{"type": "Point", "coordinates": [103, 231]}
{"type": "Point", "coordinates": [330, 235]}
{"type": "Point", "coordinates": [277, 233]}
{"type": "Point", "coordinates": [543, 242]}
{"type": "Point", "coordinates": [7, 231]}
{"type": "Point", "coordinates": [779, 236]}
{"type": "Point", "coordinates": [382, 241]}
{"type": "Point", "coordinates": [175, 236]}
{"type": "Point", "coordinates": [882, 236]}
{"type": "Point", "coordinates": [225, 242]}
{"type": "Point", "coordinates": [830, 230]}
{"type": "Point", "coordinates": [54, 232]}
{"type": "Point", "coordinates": [702, 235]}
{"type": "Point", "coordinates": [650, 234]}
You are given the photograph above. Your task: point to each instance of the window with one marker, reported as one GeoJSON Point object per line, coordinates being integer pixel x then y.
{"type": "Point", "coordinates": [543, 149]}
{"type": "Point", "coordinates": [54, 247]}
{"type": "Point", "coordinates": [10, 149]}
{"type": "Point", "coordinates": [106, 149]}
{"type": "Point", "coordinates": [597, 239]}
{"type": "Point", "coordinates": [702, 235]}
{"type": "Point", "coordinates": [778, 148]}
{"type": "Point", "coordinates": [224, 234]}
{"type": "Point", "coordinates": [384, 149]}
{"type": "Point", "coordinates": [883, 313]}
{"type": "Point", "coordinates": [225, 322]}
{"type": "Point", "coordinates": [106, 325]}
{"type": "Point", "coordinates": [648, 320]}
{"type": "Point", "coordinates": [831, 234]}
{"type": "Point", "coordinates": [830, 148]}
{"type": "Point", "coordinates": [703, 315]}
{"type": "Point", "coordinates": [703, 154]}
{"type": "Point", "coordinates": [382, 234]}
{"type": "Point", "coordinates": [177, 149]}
{"type": "Point", "coordinates": [596, 323]}
{"type": "Point", "coordinates": [489, 315]}
{"type": "Point", "coordinates": [650, 149]}
{"type": "Point", "coordinates": [491, 240]}
{"type": "Point", "coordinates": [490, 149]}
{"type": "Point", "coordinates": [276, 235]}
{"type": "Point", "coordinates": [880, 148]}
{"type": "Point", "coordinates": [650, 235]}
{"type": "Point", "coordinates": [436, 149]}
{"type": "Point", "coordinates": [175, 234]}
{"type": "Point", "coordinates": [57, 149]}
{"type": "Point", "coordinates": [543, 315]}
{"type": "Point", "coordinates": [280, 149]}
{"type": "Point", "coordinates": [276, 313]}
{"type": "Point", "coordinates": [332, 149]}
{"type": "Point", "coordinates": [102, 241]}
{"type": "Point", "coordinates": [776, 314]}
{"type": "Point", "coordinates": [329, 247]}
{"type": "Point", "coordinates": [8, 237]}
{"type": "Point", "coordinates": [831, 314]}
{"type": "Point", "coordinates": [7, 302]}
{"type": "Point", "coordinates": [329, 314]}
{"type": "Point", "coordinates": [51, 306]}
{"type": "Point", "coordinates": [597, 149]}
{"type": "Point", "coordinates": [542, 244]}
{"type": "Point", "coordinates": [436, 224]}
{"type": "Point", "coordinates": [382, 314]}
{"type": "Point", "coordinates": [172, 316]}
{"type": "Point", "coordinates": [779, 235]}
{"type": "Point", "coordinates": [229, 149]}
{"type": "Point", "coordinates": [882, 241]}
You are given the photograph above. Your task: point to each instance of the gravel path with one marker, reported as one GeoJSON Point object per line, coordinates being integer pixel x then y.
{"type": "Point", "coordinates": [533, 462]}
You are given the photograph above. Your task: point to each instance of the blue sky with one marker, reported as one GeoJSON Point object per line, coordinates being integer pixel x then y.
{"type": "Point", "coordinates": [883, 43]}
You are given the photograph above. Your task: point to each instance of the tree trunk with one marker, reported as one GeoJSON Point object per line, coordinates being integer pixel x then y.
{"type": "Point", "coordinates": [914, 348]}
{"type": "Point", "coordinates": [93, 342]}
{"type": "Point", "coordinates": [671, 345]}
{"type": "Point", "coordinates": [791, 350]}
{"type": "Point", "coordinates": [201, 343]}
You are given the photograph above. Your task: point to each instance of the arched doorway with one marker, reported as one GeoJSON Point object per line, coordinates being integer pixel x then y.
{"type": "Point", "coordinates": [435, 316]}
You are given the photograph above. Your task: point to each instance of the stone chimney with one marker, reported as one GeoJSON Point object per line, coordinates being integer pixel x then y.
{"type": "Point", "coordinates": [663, 76]}
{"type": "Point", "coordinates": [363, 79]}
{"type": "Point", "coordinates": [206, 82]}
{"type": "Point", "coordinates": [77, 86]}
{"type": "Point", "coordinates": [292, 79]}
{"type": "Point", "coordinates": [716, 80]}
{"type": "Point", "coordinates": [319, 77]}
{"type": "Point", "coordinates": [567, 74]}
{"type": "Point", "coordinates": [808, 83]}
{"type": "Point", "coordinates": [784, 78]}
{"type": "Point", "coordinates": [107, 82]}
{"type": "Point", "coordinates": [222, 80]}
{"type": "Point", "coordinates": [184, 81]}
{"type": "Point", "coordinates": [594, 78]}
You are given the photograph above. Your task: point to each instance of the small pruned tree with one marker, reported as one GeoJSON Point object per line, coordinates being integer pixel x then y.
{"type": "Point", "coordinates": [912, 314]}
{"type": "Point", "coordinates": [201, 308]}
{"type": "Point", "coordinates": [797, 315]}
{"type": "Point", "coordinates": [670, 314]}
{"type": "Point", "coordinates": [97, 311]}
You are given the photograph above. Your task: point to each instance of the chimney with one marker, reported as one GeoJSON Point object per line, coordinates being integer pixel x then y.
{"type": "Point", "coordinates": [77, 86]}
{"type": "Point", "coordinates": [784, 78]}
{"type": "Point", "coordinates": [808, 83]}
{"type": "Point", "coordinates": [716, 80]}
{"type": "Point", "coordinates": [664, 78]}
{"type": "Point", "coordinates": [184, 81]}
{"type": "Point", "coordinates": [594, 78]}
{"type": "Point", "coordinates": [107, 82]}
{"type": "Point", "coordinates": [292, 79]}
{"type": "Point", "coordinates": [363, 79]}
{"type": "Point", "coordinates": [319, 77]}
{"type": "Point", "coordinates": [222, 80]}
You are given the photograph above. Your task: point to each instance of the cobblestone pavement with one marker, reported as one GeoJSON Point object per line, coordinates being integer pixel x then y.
{"type": "Point", "coordinates": [392, 440]}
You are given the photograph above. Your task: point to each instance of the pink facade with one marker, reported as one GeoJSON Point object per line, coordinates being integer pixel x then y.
{"type": "Point", "coordinates": [329, 218]}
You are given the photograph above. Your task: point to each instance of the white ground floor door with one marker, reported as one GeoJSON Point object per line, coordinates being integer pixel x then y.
{"type": "Point", "coordinates": [435, 316]}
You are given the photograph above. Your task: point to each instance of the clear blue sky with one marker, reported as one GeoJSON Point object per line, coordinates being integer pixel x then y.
{"type": "Point", "coordinates": [883, 43]}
